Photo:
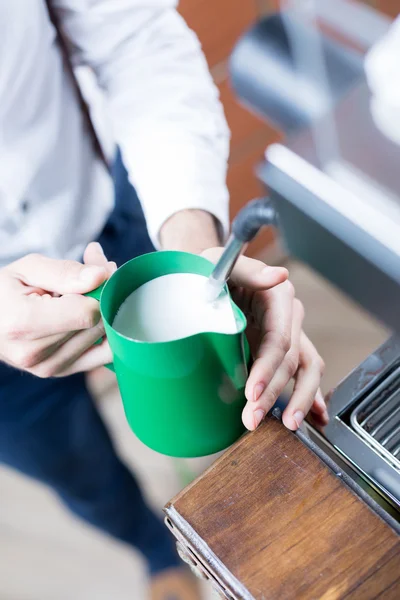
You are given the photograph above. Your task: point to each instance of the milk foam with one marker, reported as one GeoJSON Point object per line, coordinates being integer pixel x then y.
{"type": "Point", "coordinates": [172, 307]}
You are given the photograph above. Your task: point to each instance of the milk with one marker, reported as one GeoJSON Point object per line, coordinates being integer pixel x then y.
{"type": "Point", "coordinates": [172, 307]}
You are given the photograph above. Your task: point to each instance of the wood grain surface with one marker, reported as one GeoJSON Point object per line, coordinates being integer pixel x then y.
{"type": "Point", "coordinates": [285, 527]}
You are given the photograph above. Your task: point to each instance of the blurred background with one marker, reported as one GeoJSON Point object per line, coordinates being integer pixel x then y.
{"type": "Point", "coordinates": [45, 553]}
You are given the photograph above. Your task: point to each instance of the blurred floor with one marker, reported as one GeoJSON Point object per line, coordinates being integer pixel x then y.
{"type": "Point", "coordinates": [45, 554]}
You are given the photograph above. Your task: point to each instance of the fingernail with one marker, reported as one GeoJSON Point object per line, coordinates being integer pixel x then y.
{"type": "Point", "coordinates": [91, 272]}
{"type": "Point", "coordinates": [258, 390]}
{"type": "Point", "coordinates": [259, 414]}
{"type": "Point", "coordinates": [112, 266]}
{"type": "Point", "coordinates": [298, 417]}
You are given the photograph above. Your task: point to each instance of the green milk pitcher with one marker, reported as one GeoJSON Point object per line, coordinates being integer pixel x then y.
{"type": "Point", "coordinates": [183, 398]}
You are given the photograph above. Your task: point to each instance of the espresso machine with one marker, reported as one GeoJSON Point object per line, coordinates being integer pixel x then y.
{"type": "Point", "coordinates": [334, 188]}
{"type": "Point", "coordinates": [315, 514]}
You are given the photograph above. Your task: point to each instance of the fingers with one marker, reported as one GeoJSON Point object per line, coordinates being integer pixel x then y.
{"type": "Point", "coordinates": [272, 310]}
{"type": "Point", "coordinates": [44, 329]}
{"type": "Point", "coordinates": [94, 255]}
{"type": "Point", "coordinates": [255, 275]}
{"type": "Point", "coordinates": [250, 273]}
{"type": "Point", "coordinates": [93, 358]}
{"type": "Point", "coordinates": [40, 316]}
{"type": "Point", "coordinates": [68, 353]}
{"type": "Point", "coordinates": [259, 405]}
{"type": "Point", "coordinates": [60, 276]}
{"type": "Point", "coordinates": [319, 409]}
{"type": "Point", "coordinates": [28, 354]}
{"type": "Point", "coordinates": [307, 382]}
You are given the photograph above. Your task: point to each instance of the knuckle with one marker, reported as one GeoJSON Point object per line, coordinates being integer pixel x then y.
{"type": "Point", "coordinates": [317, 364]}
{"type": "Point", "coordinates": [86, 321]}
{"type": "Point", "coordinates": [292, 363]}
{"type": "Point", "coordinates": [90, 315]}
{"type": "Point", "coordinates": [99, 328]}
{"type": "Point", "coordinates": [18, 327]}
{"type": "Point", "coordinates": [270, 397]}
{"type": "Point", "coordinates": [24, 358]}
{"type": "Point", "coordinates": [13, 332]}
{"type": "Point", "coordinates": [44, 370]}
{"type": "Point", "coordinates": [261, 370]}
{"type": "Point", "coordinates": [283, 341]}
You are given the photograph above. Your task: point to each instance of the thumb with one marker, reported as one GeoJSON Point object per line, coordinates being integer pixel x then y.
{"type": "Point", "coordinates": [250, 273]}
{"type": "Point", "coordinates": [94, 255]}
{"type": "Point", "coordinates": [59, 276]}
{"type": "Point", "coordinates": [256, 275]}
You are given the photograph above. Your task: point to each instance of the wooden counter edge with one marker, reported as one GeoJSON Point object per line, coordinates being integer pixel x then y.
{"type": "Point", "coordinates": [196, 552]}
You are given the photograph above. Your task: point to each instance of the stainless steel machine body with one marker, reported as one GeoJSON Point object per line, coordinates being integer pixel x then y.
{"type": "Point", "coordinates": [339, 212]}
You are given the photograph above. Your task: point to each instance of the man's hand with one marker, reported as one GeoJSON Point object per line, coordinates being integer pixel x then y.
{"type": "Point", "coordinates": [47, 327]}
{"type": "Point", "coordinates": [280, 347]}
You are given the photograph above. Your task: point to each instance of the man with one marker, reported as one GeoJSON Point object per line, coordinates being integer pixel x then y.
{"type": "Point", "coordinates": [57, 197]}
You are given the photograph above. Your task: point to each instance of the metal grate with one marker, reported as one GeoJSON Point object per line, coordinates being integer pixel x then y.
{"type": "Point", "coordinates": [377, 419]}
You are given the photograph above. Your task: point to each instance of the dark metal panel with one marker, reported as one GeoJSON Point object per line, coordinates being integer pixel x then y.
{"type": "Point", "coordinates": [335, 247]}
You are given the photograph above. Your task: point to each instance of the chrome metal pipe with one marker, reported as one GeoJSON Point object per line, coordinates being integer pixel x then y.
{"type": "Point", "coordinates": [245, 227]}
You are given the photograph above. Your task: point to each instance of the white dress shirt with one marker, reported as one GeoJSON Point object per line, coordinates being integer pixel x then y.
{"type": "Point", "coordinates": [382, 68]}
{"type": "Point", "coordinates": [55, 193]}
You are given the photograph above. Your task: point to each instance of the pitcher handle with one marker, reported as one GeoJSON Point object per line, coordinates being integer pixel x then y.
{"type": "Point", "coordinates": [96, 294]}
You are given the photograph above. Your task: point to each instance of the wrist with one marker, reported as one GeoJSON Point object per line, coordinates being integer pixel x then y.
{"type": "Point", "coordinates": [190, 230]}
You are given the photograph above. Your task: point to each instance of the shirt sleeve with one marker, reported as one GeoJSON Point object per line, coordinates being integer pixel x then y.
{"type": "Point", "coordinates": [164, 107]}
{"type": "Point", "coordinates": [382, 66]}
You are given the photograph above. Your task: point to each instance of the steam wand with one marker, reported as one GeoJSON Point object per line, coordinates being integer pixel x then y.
{"type": "Point", "coordinates": [245, 226]}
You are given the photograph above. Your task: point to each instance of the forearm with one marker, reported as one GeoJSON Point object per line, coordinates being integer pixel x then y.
{"type": "Point", "coordinates": [190, 231]}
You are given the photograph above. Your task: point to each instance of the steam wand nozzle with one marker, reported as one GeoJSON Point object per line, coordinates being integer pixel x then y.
{"type": "Point", "coordinates": [251, 218]}
{"type": "Point", "coordinates": [245, 226]}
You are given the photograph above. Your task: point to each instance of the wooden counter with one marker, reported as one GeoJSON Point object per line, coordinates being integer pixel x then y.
{"type": "Point", "coordinates": [270, 521]}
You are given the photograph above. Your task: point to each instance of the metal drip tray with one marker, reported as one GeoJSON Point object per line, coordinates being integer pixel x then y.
{"type": "Point", "coordinates": [377, 419]}
{"type": "Point", "coordinates": [363, 433]}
